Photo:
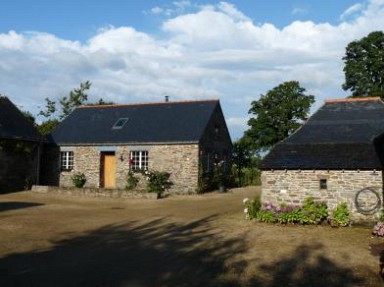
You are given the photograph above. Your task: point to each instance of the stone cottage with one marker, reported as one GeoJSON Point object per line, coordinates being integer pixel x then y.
{"type": "Point", "coordinates": [336, 156]}
{"type": "Point", "coordinates": [20, 148]}
{"type": "Point", "coordinates": [105, 142]}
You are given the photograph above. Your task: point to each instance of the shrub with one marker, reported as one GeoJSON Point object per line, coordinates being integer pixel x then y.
{"type": "Point", "coordinates": [79, 179]}
{"type": "Point", "coordinates": [132, 181]}
{"type": "Point", "coordinates": [310, 212]}
{"type": "Point", "coordinates": [252, 207]}
{"type": "Point", "coordinates": [266, 216]}
{"type": "Point", "coordinates": [293, 216]}
{"type": "Point", "coordinates": [340, 215]}
{"type": "Point", "coordinates": [158, 181]}
{"type": "Point", "coordinates": [313, 212]}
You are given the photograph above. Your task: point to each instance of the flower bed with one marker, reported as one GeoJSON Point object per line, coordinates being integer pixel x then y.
{"type": "Point", "coordinates": [311, 212]}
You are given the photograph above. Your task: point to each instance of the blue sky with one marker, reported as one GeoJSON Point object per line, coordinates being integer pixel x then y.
{"type": "Point", "coordinates": [139, 51]}
{"type": "Point", "coordinates": [79, 20]}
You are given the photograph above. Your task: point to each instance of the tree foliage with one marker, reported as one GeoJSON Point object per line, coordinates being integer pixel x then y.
{"type": "Point", "coordinates": [364, 66]}
{"type": "Point", "coordinates": [278, 114]}
{"type": "Point", "coordinates": [54, 115]}
{"type": "Point", "coordinates": [28, 115]}
{"type": "Point", "coordinates": [241, 157]}
{"type": "Point", "coordinates": [50, 108]}
{"type": "Point", "coordinates": [46, 127]}
{"type": "Point", "coordinates": [77, 97]}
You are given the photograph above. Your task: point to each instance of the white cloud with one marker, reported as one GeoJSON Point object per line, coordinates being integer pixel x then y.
{"type": "Point", "coordinates": [298, 11]}
{"type": "Point", "coordinates": [175, 8]}
{"type": "Point", "coordinates": [351, 11]}
{"type": "Point", "coordinates": [232, 11]}
{"type": "Point", "coordinates": [215, 52]}
{"type": "Point", "coordinates": [157, 10]}
{"type": "Point", "coordinates": [182, 4]}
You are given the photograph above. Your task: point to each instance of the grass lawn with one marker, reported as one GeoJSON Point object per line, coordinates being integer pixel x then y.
{"type": "Point", "coordinates": [202, 240]}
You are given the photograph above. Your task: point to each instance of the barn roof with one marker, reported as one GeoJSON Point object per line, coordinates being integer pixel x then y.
{"type": "Point", "coordinates": [340, 135]}
{"type": "Point", "coordinates": [13, 124]}
{"type": "Point", "coordinates": [166, 122]}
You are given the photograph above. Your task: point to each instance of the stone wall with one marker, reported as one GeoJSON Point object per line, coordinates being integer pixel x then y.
{"type": "Point", "coordinates": [95, 192]}
{"type": "Point", "coordinates": [293, 186]}
{"type": "Point", "coordinates": [182, 161]}
{"type": "Point", "coordinates": [179, 160]}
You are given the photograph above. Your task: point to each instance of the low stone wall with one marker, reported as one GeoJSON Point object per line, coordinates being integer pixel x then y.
{"type": "Point", "coordinates": [95, 192]}
{"type": "Point", "coordinates": [361, 190]}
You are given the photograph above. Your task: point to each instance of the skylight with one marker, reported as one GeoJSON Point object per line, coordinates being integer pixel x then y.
{"type": "Point", "coordinates": [120, 123]}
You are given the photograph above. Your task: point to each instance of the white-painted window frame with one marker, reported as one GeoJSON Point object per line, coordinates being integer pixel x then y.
{"type": "Point", "coordinates": [139, 159]}
{"type": "Point", "coordinates": [66, 160]}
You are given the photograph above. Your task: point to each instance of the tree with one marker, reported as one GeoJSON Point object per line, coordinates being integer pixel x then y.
{"type": "Point", "coordinates": [51, 122]}
{"type": "Point", "coordinates": [46, 127]}
{"type": "Point", "coordinates": [53, 116]}
{"type": "Point", "coordinates": [241, 157]}
{"type": "Point", "coordinates": [278, 114]}
{"type": "Point", "coordinates": [364, 66]}
{"type": "Point", "coordinates": [29, 116]}
{"type": "Point", "coordinates": [76, 98]}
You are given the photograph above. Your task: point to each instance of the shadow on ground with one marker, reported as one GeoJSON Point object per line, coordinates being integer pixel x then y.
{"type": "Point", "coordinates": [161, 253]}
{"type": "Point", "coordinates": [10, 205]}
{"type": "Point", "coordinates": [309, 267]}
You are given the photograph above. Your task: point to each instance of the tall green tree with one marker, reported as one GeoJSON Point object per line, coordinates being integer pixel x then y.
{"type": "Point", "coordinates": [364, 66]}
{"type": "Point", "coordinates": [278, 114]}
{"type": "Point", "coordinates": [241, 157]}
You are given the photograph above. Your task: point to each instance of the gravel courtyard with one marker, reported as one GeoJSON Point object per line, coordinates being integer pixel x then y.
{"type": "Point", "coordinates": [202, 240]}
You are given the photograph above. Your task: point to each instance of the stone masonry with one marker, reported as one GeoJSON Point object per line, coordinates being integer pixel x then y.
{"type": "Point", "coordinates": [361, 190]}
{"type": "Point", "coordinates": [180, 160]}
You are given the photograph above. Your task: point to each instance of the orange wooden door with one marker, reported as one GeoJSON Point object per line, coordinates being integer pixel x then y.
{"type": "Point", "coordinates": [109, 171]}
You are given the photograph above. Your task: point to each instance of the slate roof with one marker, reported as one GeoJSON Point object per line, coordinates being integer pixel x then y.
{"type": "Point", "coordinates": [13, 124]}
{"type": "Point", "coordinates": [342, 134]}
{"type": "Point", "coordinates": [166, 122]}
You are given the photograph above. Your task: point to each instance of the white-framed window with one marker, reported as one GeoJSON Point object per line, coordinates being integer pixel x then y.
{"type": "Point", "coordinates": [66, 160]}
{"type": "Point", "coordinates": [138, 159]}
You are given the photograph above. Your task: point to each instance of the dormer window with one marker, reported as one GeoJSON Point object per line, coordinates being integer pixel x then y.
{"type": "Point", "coordinates": [120, 123]}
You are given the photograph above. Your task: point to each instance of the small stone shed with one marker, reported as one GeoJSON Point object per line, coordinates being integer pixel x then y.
{"type": "Point", "coordinates": [336, 156]}
{"type": "Point", "coordinates": [105, 142]}
{"type": "Point", "coordinates": [20, 149]}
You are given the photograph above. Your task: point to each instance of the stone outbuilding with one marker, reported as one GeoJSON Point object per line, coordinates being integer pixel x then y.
{"type": "Point", "coordinates": [20, 149]}
{"type": "Point", "coordinates": [104, 142]}
{"type": "Point", "coordinates": [336, 156]}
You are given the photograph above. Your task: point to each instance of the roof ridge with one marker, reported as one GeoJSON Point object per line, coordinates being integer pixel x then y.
{"type": "Point", "coordinates": [148, 104]}
{"type": "Point", "coordinates": [327, 101]}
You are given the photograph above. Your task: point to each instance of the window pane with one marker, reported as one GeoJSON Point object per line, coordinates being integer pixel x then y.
{"type": "Point", "coordinates": [139, 160]}
{"type": "Point", "coordinates": [66, 160]}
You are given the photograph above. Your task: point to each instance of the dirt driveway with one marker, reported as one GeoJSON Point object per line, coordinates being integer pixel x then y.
{"type": "Point", "coordinates": [52, 240]}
